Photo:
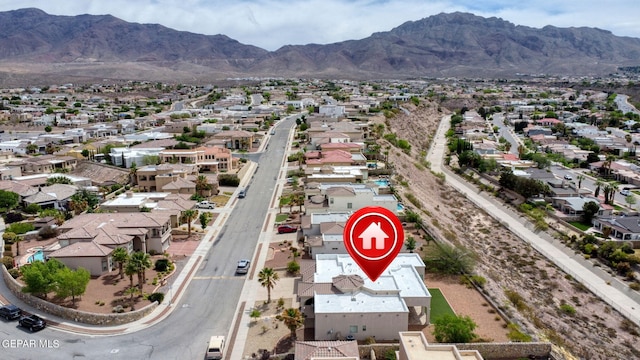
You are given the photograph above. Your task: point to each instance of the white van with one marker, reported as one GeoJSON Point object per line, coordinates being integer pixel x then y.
{"type": "Point", "coordinates": [215, 350]}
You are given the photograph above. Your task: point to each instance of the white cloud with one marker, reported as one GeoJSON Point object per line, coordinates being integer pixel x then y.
{"type": "Point", "coordinates": [271, 24]}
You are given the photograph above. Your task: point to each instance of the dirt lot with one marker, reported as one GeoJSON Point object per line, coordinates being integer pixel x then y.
{"type": "Point", "coordinates": [510, 266]}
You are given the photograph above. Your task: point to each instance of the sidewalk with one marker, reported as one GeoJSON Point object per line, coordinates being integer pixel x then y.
{"type": "Point", "coordinates": [608, 288]}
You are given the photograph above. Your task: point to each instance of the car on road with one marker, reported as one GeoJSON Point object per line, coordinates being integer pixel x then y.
{"type": "Point", "coordinates": [10, 312]}
{"type": "Point", "coordinates": [625, 192]}
{"type": "Point", "coordinates": [205, 205]}
{"type": "Point", "coordinates": [32, 322]}
{"type": "Point", "coordinates": [243, 266]}
{"type": "Point", "coordinates": [284, 229]}
{"type": "Point", "coordinates": [568, 177]}
{"type": "Point", "coordinates": [242, 193]}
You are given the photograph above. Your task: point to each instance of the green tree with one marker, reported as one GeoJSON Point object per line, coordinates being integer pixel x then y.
{"type": "Point", "coordinates": [267, 278]}
{"type": "Point", "coordinates": [71, 283]}
{"type": "Point", "coordinates": [85, 153]}
{"type": "Point", "coordinates": [410, 244]}
{"type": "Point", "coordinates": [121, 256]}
{"type": "Point", "coordinates": [204, 219]}
{"type": "Point", "coordinates": [8, 199]}
{"type": "Point", "coordinates": [589, 210]}
{"type": "Point", "coordinates": [454, 329]}
{"type": "Point", "coordinates": [39, 277]}
{"type": "Point", "coordinates": [47, 129]}
{"type": "Point", "coordinates": [255, 315]}
{"type": "Point", "coordinates": [448, 259]}
{"type": "Point", "coordinates": [293, 319]}
{"type": "Point", "coordinates": [202, 185]}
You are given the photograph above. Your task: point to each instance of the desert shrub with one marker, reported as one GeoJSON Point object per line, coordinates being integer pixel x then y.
{"type": "Point", "coordinates": [567, 309]}
{"type": "Point", "coordinates": [293, 268]}
{"type": "Point", "coordinates": [228, 180]}
{"type": "Point", "coordinates": [48, 232]}
{"type": "Point", "coordinates": [516, 335]}
{"type": "Point", "coordinates": [8, 262]}
{"type": "Point", "coordinates": [15, 273]}
{"type": "Point", "coordinates": [369, 340]}
{"type": "Point", "coordinates": [635, 286]}
{"type": "Point", "coordinates": [161, 265]}
{"type": "Point", "coordinates": [20, 228]}
{"type": "Point", "coordinates": [118, 309]}
{"type": "Point", "coordinates": [13, 217]}
{"type": "Point", "coordinates": [9, 237]}
{"type": "Point", "coordinates": [156, 296]}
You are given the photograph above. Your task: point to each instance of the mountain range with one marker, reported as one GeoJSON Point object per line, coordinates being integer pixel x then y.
{"type": "Point", "coordinates": [36, 45]}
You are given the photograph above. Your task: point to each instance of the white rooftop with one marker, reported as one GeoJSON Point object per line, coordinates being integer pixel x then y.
{"type": "Point", "coordinates": [358, 303]}
{"type": "Point", "coordinates": [329, 217]}
{"type": "Point", "coordinates": [401, 276]}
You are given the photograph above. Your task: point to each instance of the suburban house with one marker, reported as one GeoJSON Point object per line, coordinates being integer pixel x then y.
{"type": "Point", "coordinates": [414, 346]}
{"type": "Point", "coordinates": [236, 139]}
{"type": "Point", "coordinates": [316, 350]}
{"type": "Point", "coordinates": [330, 240]}
{"type": "Point", "coordinates": [56, 196]}
{"type": "Point", "coordinates": [88, 240]}
{"type": "Point", "coordinates": [311, 224]}
{"type": "Point", "coordinates": [154, 178]}
{"type": "Point", "coordinates": [572, 207]}
{"type": "Point", "coordinates": [130, 201]}
{"type": "Point", "coordinates": [207, 158]}
{"type": "Point", "coordinates": [625, 228]}
{"type": "Point", "coordinates": [346, 197]}
{"type": "Point", "coordinates": [336, 174]}
{"type": "Point", "coordinates": [340, 300]}
{"type": "Point", "coordinates": [47, 164]}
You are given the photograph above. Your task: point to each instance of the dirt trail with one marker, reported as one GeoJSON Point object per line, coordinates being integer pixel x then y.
{"type": "Point", "coordinates": [511, 266]}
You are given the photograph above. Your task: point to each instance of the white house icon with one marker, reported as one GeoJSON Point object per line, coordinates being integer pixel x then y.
{"type": "Point", "coordinates": [373, 231]}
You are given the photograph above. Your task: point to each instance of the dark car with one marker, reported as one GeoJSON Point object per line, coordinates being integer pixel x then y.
{"type": "Point", "coordinates": [283, 229]}
{"type": "Point", "coordinates": [242, 193]}
{"type": "Point", "coordinates": [243, 266]}
{"type": "Point", "coordinates": [32, 322]}
{"type": "Point", "coordinates": [10, 312]}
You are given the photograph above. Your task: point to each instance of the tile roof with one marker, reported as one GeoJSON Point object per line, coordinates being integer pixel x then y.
{"type": "Point", "coordinates": [307, 350]}
{"type": "Point", "coordinates": [82, 249]}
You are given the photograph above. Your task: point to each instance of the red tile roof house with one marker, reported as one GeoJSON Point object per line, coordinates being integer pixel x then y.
{"type": "Point", "coordinates": [333, 157]}
{"type": "Point", "coordinates": [88, 240]}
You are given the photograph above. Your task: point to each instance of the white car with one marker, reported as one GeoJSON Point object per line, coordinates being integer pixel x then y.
{"type": "Point", "coordinates": [568, 177]}
{"type": "Point", "coordinates": [205, 205]}
{"type": "Point", "coordinates": [625, 192]}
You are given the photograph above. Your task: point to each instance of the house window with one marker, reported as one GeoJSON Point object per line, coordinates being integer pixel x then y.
{"type": "Point", "coordinates": [349, 205]}
{"type": "Point", "coordinates": [353, 329]}
{"type": "Point", "coordinates": [330, 200]}
{"type": "Point", "coordinates": [105, 265]}
{"type": "Point", "coordinates": [364, 327]}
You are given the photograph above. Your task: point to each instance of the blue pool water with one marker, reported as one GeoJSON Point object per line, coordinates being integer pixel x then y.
{"type": "Point", "coordinates": [382, 182]}
{"type": "Point", "coordinates": [37, 256]}
{"type": "Point", "coordinates": [400, 207]}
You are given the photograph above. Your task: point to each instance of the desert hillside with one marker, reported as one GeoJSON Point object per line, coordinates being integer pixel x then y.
{"type": "Point", "coordinates": [526, 286]}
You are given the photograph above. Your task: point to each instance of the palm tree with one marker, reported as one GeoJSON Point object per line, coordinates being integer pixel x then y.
{"type": "Point", "coordinates": [614, 189]}
{"type": "Point", "coordinates": [133, 172]}
{"type": "Point", "coordinates": [120, 255]}
{"type": "Point", "coordinates": [202, 185]}
{"type": "Point", "coordinates": [188, 216]}
{"type": "Point", "coordinates": [580, 178]}
{"type": "Point", "coordinates": [598, 183]}
{"type": "Point", "coordinates": [268, 278]}
{"type": "Point", "coordinates": [293, 319]}
{"type": "Point", "coordinates": [130, 270]}
{"type": "Point", "coordinates": [141, 262]}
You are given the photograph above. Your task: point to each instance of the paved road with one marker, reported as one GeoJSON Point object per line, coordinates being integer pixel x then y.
{"type": "Point", "coordinates": [207, 307]}
{"type": "Point", "coordinates": [608, 288]}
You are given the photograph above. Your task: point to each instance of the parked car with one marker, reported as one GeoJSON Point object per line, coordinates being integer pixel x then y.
{"type": "Point", "coordinates": [32, 322]}
{"type": "Point", "coordinates": [625, 192]}
{"type": "Point", "coordinates": [10, 312]}
{"type": "Point", "coordinates": [205, 205]}
{"type": "Point", "coordinates": [283, 229]}
{"type": "Point", "coordinates": [568, 177]}
{"type": "Point", "coordinates": [242, 193]}
{"type": "Point", "coordinates": [243, 266]}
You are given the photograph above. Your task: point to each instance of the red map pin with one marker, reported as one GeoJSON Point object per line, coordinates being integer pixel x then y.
{"type": "Point", "coordinates": [373, 237]}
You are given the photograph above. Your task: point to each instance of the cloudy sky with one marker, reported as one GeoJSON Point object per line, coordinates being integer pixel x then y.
{"type": "Point", "coordinates": [271, 24]}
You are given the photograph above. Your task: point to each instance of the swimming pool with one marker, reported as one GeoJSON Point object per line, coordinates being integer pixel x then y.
{"type": "Point", "coordinates": [382, 182]}
{"type": "Point", "coordinates": [37, 256]}
{"type": "Point", "coordinates": [400, 207]}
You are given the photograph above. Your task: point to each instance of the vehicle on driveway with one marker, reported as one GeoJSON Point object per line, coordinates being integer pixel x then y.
{"type": "Point", "coordinates": [10, 312]}
{"type": "Point", "coordinates": [283, 229]}
{"type": "Point", "coordinates": [205, 205]}
{"type": "Point", "coordinates": [625, 192]}
{"type": "Point", "coordinates": [243, 266]}
{"type": "Point", "coordinates": [32, 322]}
